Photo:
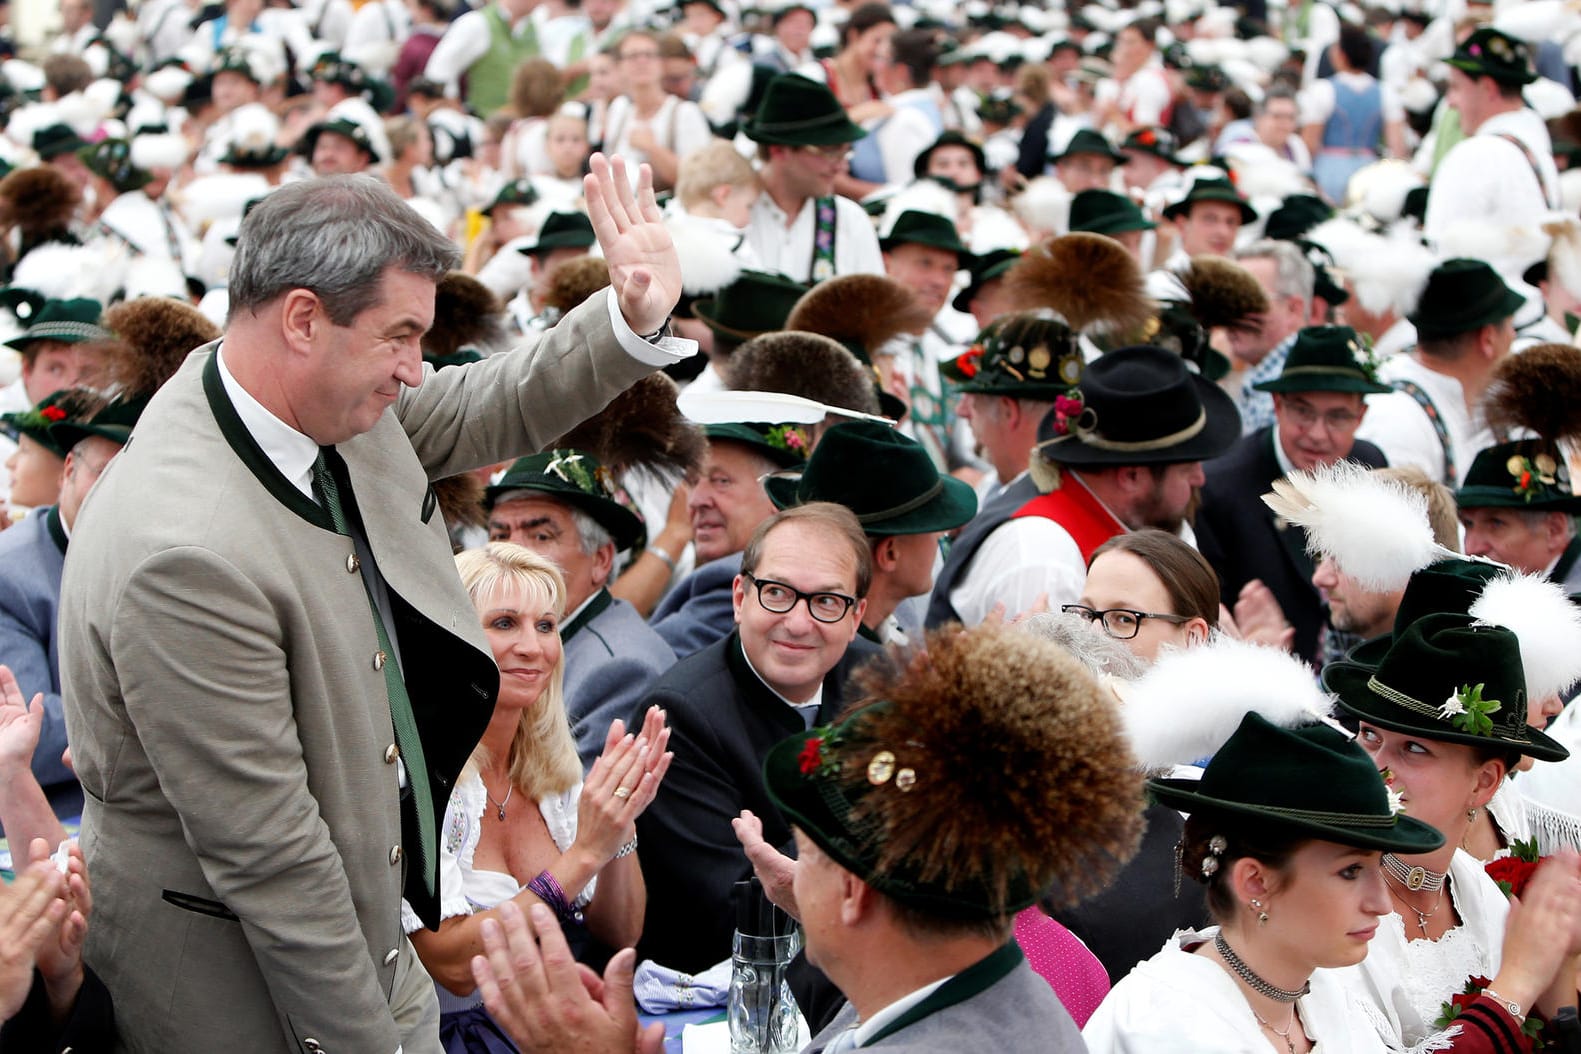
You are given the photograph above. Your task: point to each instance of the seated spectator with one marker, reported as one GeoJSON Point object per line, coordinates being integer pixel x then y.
{"type": "Point", "coordinates": [566, 842]}
{"type": "Point", "coordinates": [797, 604]}
{"type": "Point", "coordinates": [1150, 591]}
{"type": "Point", "coordinates": [646, 123]}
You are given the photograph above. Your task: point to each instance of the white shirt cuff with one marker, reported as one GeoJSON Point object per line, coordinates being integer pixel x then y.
{"type": "Point", "coordinates": [657, 354]}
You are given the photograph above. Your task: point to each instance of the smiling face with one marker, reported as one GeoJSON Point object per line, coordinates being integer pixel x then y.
{"type": "Point", "coordinates": [928, 271]}
{"type": "Point", "coordinates": [728, 502]}
{"type": "Point", "coordinates": [1328, 904]}
{"type": "Point", "coordinates": [353, 374]}
{"type": "Point", "coordinates": [524, 634]}
{"type": "Point", "coordinates": [792, 651]}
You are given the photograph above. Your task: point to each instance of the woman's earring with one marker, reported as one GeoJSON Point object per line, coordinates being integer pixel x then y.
{"type": "Point", "coordinates": [1471, 815]}
{"type": "Point", "coordinates": [1262, 916]}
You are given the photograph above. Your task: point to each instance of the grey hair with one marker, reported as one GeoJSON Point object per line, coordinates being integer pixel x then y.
{"type": "Point", "coordinates": [1086, 643]}
{"type": "Point", "coordinates": [1294, 274]}
{"type": "Point", "coordinates": [335, 237]}
{"type": "Point", "coordinates": [589, 532]}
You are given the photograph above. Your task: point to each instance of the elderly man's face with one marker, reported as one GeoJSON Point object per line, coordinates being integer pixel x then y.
{"type": "Point", "coordinates": [547, 527]}
{"type": "Point", "coordinates": [728, 502]}
{"type": "Point", "coordinates": [1317, 429]}
{"type": "Point", "coordinates": [1527, 541]}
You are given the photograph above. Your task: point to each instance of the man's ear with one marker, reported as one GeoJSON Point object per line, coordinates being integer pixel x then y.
{"type": "Point", "coordinates": [300, 319]}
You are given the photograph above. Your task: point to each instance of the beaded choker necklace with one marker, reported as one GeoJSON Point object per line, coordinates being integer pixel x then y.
{"type": "Point", "coordinates": [1256, 983]}
{"type": "Point", "coordinates": [1416, 879]}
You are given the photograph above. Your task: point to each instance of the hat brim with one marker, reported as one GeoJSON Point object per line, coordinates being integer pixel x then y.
{"type": "Point", "coordinates": [1508, 305]}
{"type": "Point", "coordinates": [704, 311]}
{"type": "Point", "coordinates": [1117, 225]}
{"type": "Point", "coordinates": [1476, 69]}
{"type": "Point", "coordinates": [623, 525]}
{"type": "Point", "coordinates": [1348, 682]}
{"type": "Point", "coordinates": [1406, 835]}
{"type": "Point", "coordinates": [68, 435]}
{"type": "Point", "coordinates": [1323, 382]}
{"type": "Point", "coordinates": [1220, 430]}
{"type": "Point", "coordinates": [560, 240]}
{"type": "Point", "coordinates": [1183, 206]}
{"type": "Point", "coordinates": [954, 505]}
{"type": "Point", "coordinates": [1478, 497]}
{"type": "Point", "coordinates": [963, 255]}
{"type": "Point", "coordinates": [1125, 153]}
{"type": "Point", "coordinates": [10, 426]}
{"type": "Point", "coordinates": [750, 437]}
{"type": "Point", "coordinates": [833, 132]}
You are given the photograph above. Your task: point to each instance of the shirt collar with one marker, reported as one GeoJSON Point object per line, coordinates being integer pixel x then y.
{"type": "Point", "coordinates": [1285, 467]}
{"type": "Point", "coordinates": [807, 710]}
{"type": "Point", "coordinates": [866, 1029]}
{"type": "Point", "coordinates": [287, 449]}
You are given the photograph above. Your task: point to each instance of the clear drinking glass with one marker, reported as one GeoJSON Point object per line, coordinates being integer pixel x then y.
{"type": "Point", "coordinates": [762, 1011]}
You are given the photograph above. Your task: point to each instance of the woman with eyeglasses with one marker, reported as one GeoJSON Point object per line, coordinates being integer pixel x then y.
{"type": "Point", "coordinates": [1150, 590]}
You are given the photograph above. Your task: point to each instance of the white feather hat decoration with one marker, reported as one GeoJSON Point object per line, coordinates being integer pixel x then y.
{"type": "Point", "coordinates": [707, 254]}
{"type": "Point", "coordinates": [922, 196]}
{"type": "Point", "coordinates": [1189, 702]}
{"type": "Point", "coordinates": [1544, 621]}
{"type": "Point", "coordinates": [1374, 528]}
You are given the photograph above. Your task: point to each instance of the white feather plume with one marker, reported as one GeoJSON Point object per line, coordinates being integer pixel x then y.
{"type": "Point", "coordinates": [1535, 21]}
{"type": "Point", "coordinates": [1564, 255]}
{"type": "Point", "coordinates": [1545, 622]}
{"type": "Point", "coordinates": [64, 272]}
{"type": "Point", "coordinates": [995, 229]}
{"type": "Point", "coordinates": [1548, 98]}
{"type": "Point", "coordinates": [1394, 275]}
{"type": "Point", "coordinates": [742, 407]}
{"type": "Point", "coordinates": [1374, 528]}
{"type": "Point", "coordinates": [1044, 206]}
{"type": "Point", "coordinates": [168, 84]}
{"type": "Point", "coordinates": [155, 276]}
{"type": "Point", "coordinates": [1381, 188]}
{"type": "Point", "coordinates": [921, 196]}
{"type": "Point", "coordinates": [159, 151]}
{"type": "Point", "coordinates": [21, 75]}
{"type": "Point", "coordinates": [707, 254]}
{"type": "Point", "coordinates": [1186, 706]}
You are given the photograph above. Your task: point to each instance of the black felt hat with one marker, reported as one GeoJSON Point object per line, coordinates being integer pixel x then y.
{"type": "Point", "coordinates": [798, 111]}
{"type": "Point", "coordinates": [757, 302]}
{"type": "Point", "coordinates": [1328, 359]}
{"type": "Point", "coordinates": [1087, 141]}
{"type": "Point", "coordinates": [1105, 212]}
{"type": "Point", "coordinates": [1211, 190]}
{"type": "Point", "coordinates": [1487, 52]}
{"type": "Point", "coordinates": [1523, 474]}
{"type": "Point", "coordinates": [909, 496]}
{"type": "Point", "coordinates": [1159, 142]}
{"type": "Point", "coordinates": [982, 269]}
{"type": "Point", "coordinates": [57, 139]}
{"type": "Point", "coordinates": [114, 421]}
{"type": "Point", "coordinates": [1140, 405]}
{"type": "Point", "coordinates": [1312, 780]}
{"type": "Point", "coordinates": [1445, 586]}
{"type": "Point", "coordinates": [579, 480]}
{"type": "Point", "coordinates": [1447, 677]}
{"type": "Point", "coordinates": [1296, 215]}
{"type": "Point", "coordinates": [1462, 295]}
{"type": "Point", "coordinates": [562, 230]}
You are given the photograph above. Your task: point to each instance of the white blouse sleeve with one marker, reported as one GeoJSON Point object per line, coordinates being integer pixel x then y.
{"type": "Point", "coordinates": [458, 840]}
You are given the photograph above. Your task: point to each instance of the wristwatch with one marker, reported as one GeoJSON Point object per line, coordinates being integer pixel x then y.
{"type": "Point", "coordinates": [664, 331]}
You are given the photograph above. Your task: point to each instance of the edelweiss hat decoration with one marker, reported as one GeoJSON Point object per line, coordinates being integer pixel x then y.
{"type": "Point", "coordinates": [1328, 359]}
{"type": "Point", "coordinates": [578, 479]}
{"type": "Point", "coordinates": [972, 779]}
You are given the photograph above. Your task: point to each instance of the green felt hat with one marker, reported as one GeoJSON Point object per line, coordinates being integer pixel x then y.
{"type": "Point", "coordinates": [74, 321]}
{"type": "Point", "coordinates": [910, 495]}
{"type": "Point", "coordinates": [1449, 678]}
{"type": "Point", "coordinates": [1105, 212]}
{"type": "Point", "coordinates": [237, 60]}
{"type": "Point", "coordinates": [264, 155]}
{"type": "Point", "coordinates": [339, 126]}
{"type": "Point", "coordinates": [785, 445]}
{"type": "Point", "coordinates": [1446, 586]}
{"type": "Point", "coordinates": [1462, 295]}
{"type": "Point", "coordinates": [1311, 780]}
{"type": "Point", "coordinates": [1328, 359]}
{"type": "Point", "coordinates": [1159, 142]}
{"type": "Point", "coordinates": [111, 160]}
{"type": "Point", "coordinates": [1180, 332]}
{"type": "Point", "coordinates": [516, 192]}
{"type": "Point", "coordinates": [915, 227]}
{"type": "Point", "coordinates": [55, 140]}
{"type": "Point", "coordinates": [950, 137]}
{"type": "Point", "coordinates": [1211, 190]}
{"type": "Point", "coordinates": [1140, 405]}
{"type": "Point", "coordinates": [757, 302]}
{"type": "Point", "coordinates": [1296, 215]}
{"type": "Point", "coordinates": [1524, 474]}
{"type": "Point", "coordinates": [1022, 356]}
{"type": "Point", "coordinates": [1487, 52]}
{"type": "Point", "coordinates": [579, 480]}
{"type": "Point", "coordinates": [984, 268]}
{"type": "Point", "coordinates": [999, 107]}
{"type": "Point", "coordinates": [1087, 141]}
{"type": "Point", "coordinates": [114, 421]}
{"type": "Point", "coordinates": [562, 230]}
{"type": "Point", "coordinates": [1207, 78]}
{"type": "Point", "coordinates": [798, 111]}
{"type": "Point", "coordinates": [68, 404]}
{"type": "Point", "coordinates": [25, 304]}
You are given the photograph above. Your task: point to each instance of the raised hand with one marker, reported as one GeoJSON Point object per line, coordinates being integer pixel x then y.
{"type": "Point", "coordinates": [644, 270]}
{"type": "Point", "coordinates": [775, 870]}
{"type": "Point", "coordinates": [545, 1001]}
{"type": "Point", "coordinates": [19, 726]}
{"type": "Point", "coordinates": [621, 784]}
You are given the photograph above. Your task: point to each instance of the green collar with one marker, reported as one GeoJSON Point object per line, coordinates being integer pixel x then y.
{"type": "Point", "coordinates": [974, 980]}
{"type": "Point", "coordinates": [251, 454]}
{"type": "Point", "coordinates": [1567, 560]}
{"type": "Point", "coordinates": [595, 607]}
{"type": "Point", "coordinates": [862, 630]}
{"type": "Point", "coordinates": [57, 529]}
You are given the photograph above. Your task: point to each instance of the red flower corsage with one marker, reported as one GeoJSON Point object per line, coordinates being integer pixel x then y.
{"type": "Point", "coordinates": [53, 413]}
{"type": "Point", "coordinates": [811, 758]}
{"type": "Point", "coordinates": [1066, 409]}
{"type": "Point", "coordinates": [966, 361]}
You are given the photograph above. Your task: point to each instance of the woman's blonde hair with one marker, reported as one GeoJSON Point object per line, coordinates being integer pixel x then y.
{"type": "Point", "coordinates": [543, 758]}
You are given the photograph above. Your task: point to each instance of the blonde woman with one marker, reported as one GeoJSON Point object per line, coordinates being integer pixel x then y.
{"type": "Point", "coordinates": [523, 824]}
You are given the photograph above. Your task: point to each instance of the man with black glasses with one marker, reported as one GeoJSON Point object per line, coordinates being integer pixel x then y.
{"type": "Point", "coordinates": [798, 602]}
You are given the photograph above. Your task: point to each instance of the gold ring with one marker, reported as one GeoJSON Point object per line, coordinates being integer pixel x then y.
{"type": "Point", "coordinates": [622, 792]}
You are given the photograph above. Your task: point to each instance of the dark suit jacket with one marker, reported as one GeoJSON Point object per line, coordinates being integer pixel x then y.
{"type": "Point", "coordinates": [1241, 538]}
{"type": "Point", "coordinates": [698, 610]}
{"type": "Point", "coordinates": [723, 720]}
{"type": "Point", "coordinates": [88, 1029]}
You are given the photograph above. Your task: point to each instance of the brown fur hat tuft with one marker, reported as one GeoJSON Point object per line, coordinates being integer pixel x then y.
{"type": "Point", "coordinates": [1088, 279]}
{"type": "Point", "coordinates": [1023, 774]}
{"type": "Point", "coordinates": [573, 281]}
{"type": "Point", "coordinates": [1223, 293]}
{"type": "Point", "coordinates": [862, 309]}
{"type": "Point", "coordinates": [154, 336]}
{"type": "Point", "coordinates": [465, 312]}
{"type": "Point", "coordinates": [805, 364]}
{"type": "Point", "coordinates": [38, 200]}
{"type": "Point", "coordinates": [461, 500]}
{"type": "Point", "coordinates": [1537, 390]}
{"type": "Point", "coordinates": [641, 430]}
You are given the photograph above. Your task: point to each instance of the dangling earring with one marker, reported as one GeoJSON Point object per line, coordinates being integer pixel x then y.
{"type": "Point", "coordinates": [1262, 916]}
{"type": "Point", "coordinates": [1471, 815]}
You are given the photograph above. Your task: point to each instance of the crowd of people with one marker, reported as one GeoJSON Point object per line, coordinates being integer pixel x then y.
{"type": "Point", "coordinates": [1073, 507]}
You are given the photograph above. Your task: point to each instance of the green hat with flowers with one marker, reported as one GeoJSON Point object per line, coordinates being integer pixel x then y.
{"type": "Point", "coordinates": [1523, 474]}
{"type": "Point", "coordinates": [515, 192]}
{"type": "Point", "coordinates": [1489, 52]}
{"type": "Point", "coordinates": [1328, 359]}
{"type": "Point", "coordinates": [1447, 677]}
{"type": "Point", "coordinates": [114, 421]}
{"type": "Point", "coordinates": [111, 160]}
{"type": "Point", "coordinates": [579, 480]}
{"type": "Point", "coordinates": [68, 404]}
{"type": "Point", "coordinates": [786, 445]}
{"type": "Point", "coordinates": [1021, 355]}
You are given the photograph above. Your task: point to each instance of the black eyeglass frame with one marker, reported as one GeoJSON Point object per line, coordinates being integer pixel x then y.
{"type": "Point", "coordinates": [1102, 618]}
{"type": "Point", "coordinates": [798, 597]}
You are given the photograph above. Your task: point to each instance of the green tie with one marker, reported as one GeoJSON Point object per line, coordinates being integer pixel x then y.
{"type": "Point", "coordinates": [328, 493]}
